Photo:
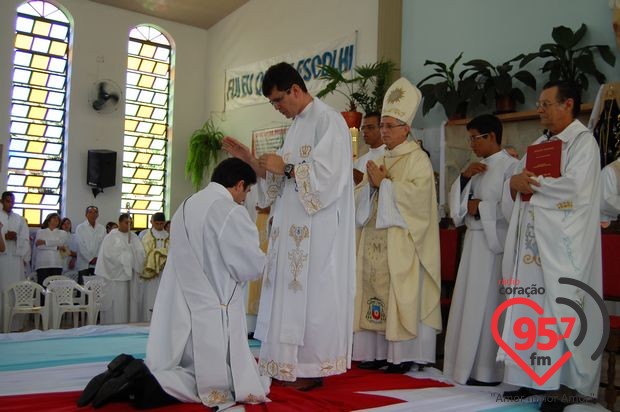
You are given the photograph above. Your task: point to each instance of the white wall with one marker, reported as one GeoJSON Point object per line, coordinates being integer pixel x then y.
{"type": "Point", "coordinates": [103, 31]}
{"type": "Point", "coordinates": [267, 28]}
{"type": "Point", "coordinates": [496, 30]}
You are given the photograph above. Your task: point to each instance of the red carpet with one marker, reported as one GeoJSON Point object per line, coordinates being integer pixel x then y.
{"type": "Point", "coordinates": [337, 394]}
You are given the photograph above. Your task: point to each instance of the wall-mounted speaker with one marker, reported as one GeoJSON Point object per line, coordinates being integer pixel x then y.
{"type": "Point", "coordinates": [101, 168]}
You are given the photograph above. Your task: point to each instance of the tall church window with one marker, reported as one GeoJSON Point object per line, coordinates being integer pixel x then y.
{"type": "Point", "coordinates": [147, 124]}
{"type": "Point", "coordinates": [38, 109]}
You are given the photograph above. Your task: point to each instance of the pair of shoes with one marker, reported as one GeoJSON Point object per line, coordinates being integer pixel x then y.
{"type": "Point", "coordinates": [399, 368]}
{"type": "Point", "coordinates": [373, 364]}
{"type": "Point", "coordinates": [475, 382]}
{"type": "Point", "coordinates": [521, 393]}
{"type": "Point", "coordinates": [119, 386]}
{"type": "Point", "coordinates": [312, 384]}
{"type": "Point", "coordinates": [115, 369]}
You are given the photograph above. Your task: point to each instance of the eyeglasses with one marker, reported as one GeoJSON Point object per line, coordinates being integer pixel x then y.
{"type": "Point", "coordinates": [277, 100]}
{"type": "Point", "coordinates": [477, 137]}
{"type": "Point", "coordinates": [369, 127]}
{"type": "Point", "coordinates": [545, 104]}
{"type": "Point", "coordinates": [390, 126]}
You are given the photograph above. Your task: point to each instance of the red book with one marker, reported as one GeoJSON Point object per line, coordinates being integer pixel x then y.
{"type": "Point", "coordinates": [543, 159]}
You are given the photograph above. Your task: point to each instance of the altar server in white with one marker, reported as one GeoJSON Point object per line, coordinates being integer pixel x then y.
{"type": "Point", "coordinates": [120, 261]}
{"type": "Point", "coordinates": [554, 235]}
{"type": "Point", "coordinates": [306, 304]}
{"type": "Point", "coordinates": [198, 348]}
{"type": "Point", "coordinates": [15, 233]}
{"type": "Point", "coordinates": [475, 201]}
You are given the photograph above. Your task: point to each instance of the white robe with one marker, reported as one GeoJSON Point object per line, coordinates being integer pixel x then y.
{"type": "Point", "coordinates": [557, 234]}
{"type": "Point", "coordinates": [610, 191]}
{"type": "Point", "coordinates": [197, 347]}
{"type": "Point", "coordinates": [120, 260]}
{"type": "Point", "coordinates": [371, 154]}
{"type": "Point", "coordinates": [89, 240]}
{"type": "Point", "coordinates": [306, 306]}
{"type": "Point", "coordinates": [12, 259]}
{"type": "Point", "coordinates": [470, 350]}
{"type": "Point", "coordinates": [48, 255]}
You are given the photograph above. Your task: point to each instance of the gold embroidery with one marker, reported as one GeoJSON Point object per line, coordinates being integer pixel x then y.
{"type": "Point", "coordinates": [527, 259]}
{"type": "Point", "coordinates": [279, 370]}
{"type": "Point", "coordinates": [251, 398]}
{"type": "Point", "coordinates": [304, 151]}
{"type": "Point", "coordinates": [298, 233]}
{"type": "Point", "coordinates": [216, 397]}
{"type": "Point", "coordinates": [302, 171]}
{"type": "Point", "coordinates": [565, 205]}
{"type": "Point", "coordinates": [297, 257]}
{"type": "Point", "coordinates": [333, 367]}
{"type": "Point", "coordinates": [286, 156]}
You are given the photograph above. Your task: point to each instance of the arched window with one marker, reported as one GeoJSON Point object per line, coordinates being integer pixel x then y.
{"type": "Point", "coordinates": [38, 109]}
{"type": "Point", "coordinates": [146, 124]}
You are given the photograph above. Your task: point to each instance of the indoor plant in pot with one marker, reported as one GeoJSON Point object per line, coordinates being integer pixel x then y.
{"type": "Point", "coordinates": [566, 60]}
{"type": "Point", "coordinates": [495, 84]}
{"type": "Point", "coordinates": [204, 151]}
{"type": "Point", "coordinates": [452, 92]}
{"type": "Point", "coordinates": [364, 89]}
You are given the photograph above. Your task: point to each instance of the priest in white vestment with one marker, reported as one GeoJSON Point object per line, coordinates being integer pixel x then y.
{"type": "Point", "coordinates": [556, 234]}
{"type": "Point", "coordinates": [372, 137]}
{"type": "Point", "coordinates": [397, 312]}
{"type": "Point", "coordinates": [475, 201]}
{"type": "Point", "coordinates": [15, 233]}
{"type": "Point", "coordinates": [306, 305]}
{"type": "Point", "coordinates": [120, 261]}
{"type": "Point", "coordinates": [155, 242]}
{"type": "Point", "coordinates": [197, 347]}
{"type": "Point", "coordinates": [610, 192]}
{"type": "Point", "coordinates": [89, 235]}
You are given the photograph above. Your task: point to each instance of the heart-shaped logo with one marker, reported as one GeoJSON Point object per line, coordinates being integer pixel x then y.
{"type": "Point", "coordinates": [540, 380]}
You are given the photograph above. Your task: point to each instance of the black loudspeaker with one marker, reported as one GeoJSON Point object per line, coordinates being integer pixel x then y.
{"type": "Point", "coordinates": [101, 168]}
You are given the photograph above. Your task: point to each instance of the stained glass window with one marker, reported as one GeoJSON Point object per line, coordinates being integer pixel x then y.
{"type": "Point", "coordinates": [38, 102]}
{"type": "Point", "coordinates": [146, 124]}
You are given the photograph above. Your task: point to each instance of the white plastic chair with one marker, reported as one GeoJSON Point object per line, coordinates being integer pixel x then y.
{"type": "Point", "coordinates": [26, 297]}
{"type": "Point", "coordinates": [49, 279]}
{"type": "Point", "coordinates": [62, 301]}
{"type": "Point", "coordinates": [94, 286]}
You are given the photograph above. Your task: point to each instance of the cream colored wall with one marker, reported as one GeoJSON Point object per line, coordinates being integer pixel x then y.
{"type": "Point", "coordinates": [102, 31]}
{"type": "Point", "coordinates": [258, 30]}
{"type": "Point", "coordinates": [268, 28]}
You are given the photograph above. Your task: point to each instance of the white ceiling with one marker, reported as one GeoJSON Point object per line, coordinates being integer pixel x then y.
{"type": "Point", "coordinates": [197, 13]}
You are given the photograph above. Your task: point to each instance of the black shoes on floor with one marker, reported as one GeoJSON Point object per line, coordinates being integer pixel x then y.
{"type": "Point", "coordinates": [113, 384]}
{"type": "Point", "coordinates": [398, 368]}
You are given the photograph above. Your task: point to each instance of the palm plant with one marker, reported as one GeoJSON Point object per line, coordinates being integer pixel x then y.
{"type": "Point", "coordinates": [365, 89]}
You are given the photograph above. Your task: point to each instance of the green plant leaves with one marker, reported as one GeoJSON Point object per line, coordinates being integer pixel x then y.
{"type": "Point", "coordinates": [204, 151]}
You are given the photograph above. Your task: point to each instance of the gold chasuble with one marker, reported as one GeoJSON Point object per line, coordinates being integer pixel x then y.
{"type": "Point", "coordinates": [156, 257]}
{"type": "Point", "coordinates": [398, 269]}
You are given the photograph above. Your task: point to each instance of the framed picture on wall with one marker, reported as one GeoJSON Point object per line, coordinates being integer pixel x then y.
{"type": "Point", "coordinates": [267, 140]}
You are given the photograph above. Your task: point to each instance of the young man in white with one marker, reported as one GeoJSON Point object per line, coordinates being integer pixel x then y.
{"type": "Point", "coordinates": [89, 235]}
{"type": "Point", "coordinates": [120, 261]}
{"type": "Point", "coordinates": [197, 349]}
{"type": "Point", "coordinates": [372, 137]}
{"type": "Point", "coordinates": [155, 242]}
{"type": "Point", "coordinates": [475, 199]}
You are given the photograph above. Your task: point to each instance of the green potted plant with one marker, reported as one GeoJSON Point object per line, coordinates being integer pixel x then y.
{"type": "Point", "coordinates": [452, 92]}
{"type": "Point", "coordinates": [495, 83]}
{"type": "Point", "coordinates": [205, 146]}
{"type": "Point", "coordinates": [364, 89]}
{"type": "Point", "coordinates": [566, 61]}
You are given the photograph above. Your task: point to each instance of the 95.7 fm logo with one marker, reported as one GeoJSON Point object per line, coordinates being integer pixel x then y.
{"type": "Point", "coordinates": [536, 336]}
